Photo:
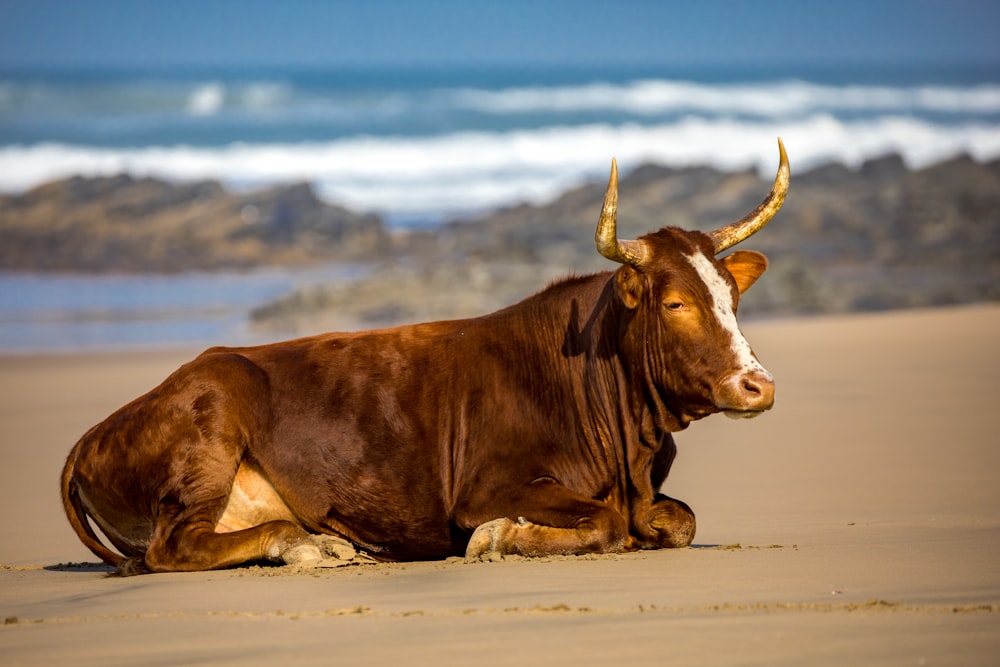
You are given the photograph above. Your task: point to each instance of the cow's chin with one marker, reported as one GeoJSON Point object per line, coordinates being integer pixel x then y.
{"type": "Point", "coordinates": [743, 414]}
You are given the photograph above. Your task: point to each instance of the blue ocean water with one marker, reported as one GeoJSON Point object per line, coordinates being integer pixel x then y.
{"type": "Point", "coordinates": [418, 146]}
{"type": "Point", "coordinates": [65, 312]}
{"type": "Point", "coordinates": [428, 143]}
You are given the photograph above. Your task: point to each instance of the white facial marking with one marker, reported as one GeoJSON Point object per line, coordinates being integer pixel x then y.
{"type": "Point", "coordinates": [722, 306]}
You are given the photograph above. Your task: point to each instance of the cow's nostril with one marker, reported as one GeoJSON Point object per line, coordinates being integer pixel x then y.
{"type": "Point", "coordinates": [753, 391]}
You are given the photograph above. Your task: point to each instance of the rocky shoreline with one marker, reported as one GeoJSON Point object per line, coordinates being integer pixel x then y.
{"type": "Point", "coordinates": [124, 224]}
{"type": "Point", "coordinates": [876, 238]}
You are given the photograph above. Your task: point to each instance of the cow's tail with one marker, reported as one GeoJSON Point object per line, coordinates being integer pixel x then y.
{"type": "Point", "coordinates": [77, 514]}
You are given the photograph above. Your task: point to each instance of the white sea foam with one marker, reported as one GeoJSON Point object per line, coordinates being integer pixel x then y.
{"type": "Point", "coordinates": [206, 99]}
{"type": "Point", "coordinates": [475, 170]}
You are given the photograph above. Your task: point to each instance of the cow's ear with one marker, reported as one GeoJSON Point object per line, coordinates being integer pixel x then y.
{"type": "Point", "coordinates": [746, 266]}
{"type": "Point", "coordinates": [629, 286]}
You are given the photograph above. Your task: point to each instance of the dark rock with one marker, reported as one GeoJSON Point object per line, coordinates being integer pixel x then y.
{"type": "Point", "coordinates": [121, 223]}
{"type": "Point", "coordinates": [888, 166]}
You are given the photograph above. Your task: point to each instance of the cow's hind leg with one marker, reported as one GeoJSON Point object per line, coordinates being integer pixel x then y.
{"type": "Point", "coordinates": [189, 537]}
{"type": "Point", "coordinates": [194, 545]}
{"type": "Point", "coordinates": [549, 519]}
{"type": "Point", "coordinates": [191, 543]}
{"type": "Point", "coordinates": [214, 409]}
{"type": "Point", "coordinates": [186, 535]}
{"type": "Point", "coordinates": [191, 531]}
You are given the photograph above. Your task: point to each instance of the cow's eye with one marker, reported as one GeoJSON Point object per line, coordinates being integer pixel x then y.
{"type": "Point", "coordinates": [674, 305]}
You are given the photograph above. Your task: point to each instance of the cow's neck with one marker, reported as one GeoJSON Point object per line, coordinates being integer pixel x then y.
{"type": "Point", "coordinates": [622, 419]}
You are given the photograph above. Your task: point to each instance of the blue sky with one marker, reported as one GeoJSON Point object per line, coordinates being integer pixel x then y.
{"type": "Point", "coordinates": [60, 33]}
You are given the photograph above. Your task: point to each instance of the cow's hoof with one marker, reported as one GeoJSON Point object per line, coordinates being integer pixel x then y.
{"type": "Point", "coordinates": [335, 547]}
{"type": "Point", "coordinates": [487, 541]}
{"type": "Point", "coordinates": [302, 554]}
{"type": "Point", "coordinates": [320, 551]}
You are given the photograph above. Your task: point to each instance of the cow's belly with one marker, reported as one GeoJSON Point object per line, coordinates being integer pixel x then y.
{"type": "Point", "coordinates": [253, 501]}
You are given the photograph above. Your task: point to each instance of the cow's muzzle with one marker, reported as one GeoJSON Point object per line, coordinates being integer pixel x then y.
{"type": "Point", "coordinates": [747, 394]}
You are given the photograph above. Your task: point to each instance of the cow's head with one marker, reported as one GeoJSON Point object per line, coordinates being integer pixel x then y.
{"type": "Point", "coordinates": [681, 297]}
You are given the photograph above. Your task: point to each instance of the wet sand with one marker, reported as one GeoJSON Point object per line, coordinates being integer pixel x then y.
{"type": "Point", "coordinates": [858, 521]}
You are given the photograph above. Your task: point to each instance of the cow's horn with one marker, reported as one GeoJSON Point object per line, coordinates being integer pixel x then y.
{"type": "Point", "coordinates": [606, 238]}
{"type": "Point", "coordinates": [730, 235]}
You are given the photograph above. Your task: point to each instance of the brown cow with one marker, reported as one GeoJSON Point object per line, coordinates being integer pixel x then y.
{"type": "Point", "coordinates": [543, 428]}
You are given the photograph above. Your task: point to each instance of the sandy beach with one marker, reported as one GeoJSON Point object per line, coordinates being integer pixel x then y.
{"type": "Point", "coordinates": [858, 522]}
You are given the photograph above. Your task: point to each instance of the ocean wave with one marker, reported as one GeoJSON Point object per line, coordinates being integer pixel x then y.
{"type": "Point", "coordinates": [206, 100]}
{"type": "Point", "coordinates": [478, 170]}
{"type": "Point", "coordinates": [211, 98]}
{"type": "Point", "coordinates": [779, 99]}
{"type": "Point", "coordinates": [642, 97]}
{"type": "Point", "coordinates": [25, 99]}
{"type": "Point", "coordinates": [265, 95]}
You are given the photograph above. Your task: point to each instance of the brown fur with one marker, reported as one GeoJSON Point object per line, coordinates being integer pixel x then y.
{"type": "Point", "coordinates": [546, 425]}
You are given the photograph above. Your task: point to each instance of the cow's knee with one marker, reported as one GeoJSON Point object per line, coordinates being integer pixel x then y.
{"type": "Point", "coordinates": [671, 523]}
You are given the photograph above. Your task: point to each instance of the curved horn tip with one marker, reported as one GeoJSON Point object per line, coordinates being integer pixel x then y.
{"type": "Point", "coordinates": [611, 194]}
{"type": "Point", "coordinates": [728, 236]}
{"type": "Point", "coordinates": [606, 236]}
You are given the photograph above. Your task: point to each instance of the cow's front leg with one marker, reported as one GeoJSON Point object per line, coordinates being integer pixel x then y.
{"type": "Point", "coordinates": [549, 519]}
{"type": "Point", "coordinates": [668, 523]}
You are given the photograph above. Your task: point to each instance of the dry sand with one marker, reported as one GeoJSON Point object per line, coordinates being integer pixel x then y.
{"type": "Point", "coordinates": [857, 522]}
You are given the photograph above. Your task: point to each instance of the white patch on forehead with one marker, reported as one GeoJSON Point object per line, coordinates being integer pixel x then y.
{"type": "Point", "coordinates": [722, 305]}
